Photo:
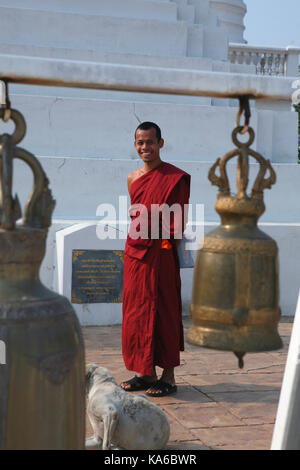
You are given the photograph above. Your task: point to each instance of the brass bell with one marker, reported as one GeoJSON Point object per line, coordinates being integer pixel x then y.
{"type": "Point", "coordinates": [235, 303]}
{"type": "Point", "coordinates": [42, 383]}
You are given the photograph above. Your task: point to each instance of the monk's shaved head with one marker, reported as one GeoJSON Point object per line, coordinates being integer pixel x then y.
{"type": "Point", "coordinates": [145, 126]}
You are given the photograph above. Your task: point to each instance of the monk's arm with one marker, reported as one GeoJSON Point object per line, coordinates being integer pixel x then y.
{"type": "Point", "coordinates": [180, 195]}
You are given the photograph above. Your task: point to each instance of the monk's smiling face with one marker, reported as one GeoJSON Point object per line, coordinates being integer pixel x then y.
{"type": "Point", "coordinates": [147, 145]}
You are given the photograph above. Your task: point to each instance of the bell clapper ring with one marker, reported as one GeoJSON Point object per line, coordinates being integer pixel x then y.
{"type": "Point", "coordinates": [244, 108]}
{"type": "Point", "coordinates": [5, 101]}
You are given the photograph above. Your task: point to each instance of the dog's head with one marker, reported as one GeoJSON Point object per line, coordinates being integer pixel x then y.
{"type": "Point", "coordinates": [98, 374]}
{"type": "Point", "coordinates": [90, 369]}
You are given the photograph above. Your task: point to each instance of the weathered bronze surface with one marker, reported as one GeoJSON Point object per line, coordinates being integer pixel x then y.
{"type": "Point", "coordinates": [42, 392]}
{"type": "Point", "coordinates": [235, 304]}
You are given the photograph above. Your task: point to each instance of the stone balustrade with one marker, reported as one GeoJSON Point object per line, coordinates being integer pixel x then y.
{"type": "Point", "coordinates": [275, 61]}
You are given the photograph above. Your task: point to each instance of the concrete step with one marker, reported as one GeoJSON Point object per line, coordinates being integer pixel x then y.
{"type": "Point", "coordinates": [89, 55]}
{"type": "Point", "coordinates": [111, 34]}
{"type": "Point", "coordinates": [151, 9]}
{"type": "Point", "coordinates": [102, 33]}
{"type": "Point", "coordinates": [191, 63]}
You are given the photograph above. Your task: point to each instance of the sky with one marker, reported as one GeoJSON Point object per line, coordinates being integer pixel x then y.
{"type": "Point", "coordinates": [273, 23]}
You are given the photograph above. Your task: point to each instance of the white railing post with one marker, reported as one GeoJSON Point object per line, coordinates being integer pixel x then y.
{"type": "Point", "coordinates": [292, 62]}
{"type": "Point", "coordinates": [273, 61]}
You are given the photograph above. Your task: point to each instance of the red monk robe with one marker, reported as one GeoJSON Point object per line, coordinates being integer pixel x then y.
{"type": "Point", "coordinates": [152, 330]}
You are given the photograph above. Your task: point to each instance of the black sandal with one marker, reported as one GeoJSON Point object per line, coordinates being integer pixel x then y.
{"type": "Point", "coordinates": [136, 384]}
{"type": "Point", "coordinates": [163, 388]}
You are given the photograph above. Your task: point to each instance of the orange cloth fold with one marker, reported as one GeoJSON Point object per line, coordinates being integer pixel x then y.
{"type": "Point", "coordinates": [166, 245]}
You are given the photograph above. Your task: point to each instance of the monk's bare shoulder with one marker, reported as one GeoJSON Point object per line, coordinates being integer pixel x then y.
{"type": "Point", "coordinates": [133, 176]}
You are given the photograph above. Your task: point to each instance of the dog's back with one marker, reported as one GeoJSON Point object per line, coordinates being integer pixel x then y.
{"type": "Point", "coordinates": [140, 424]}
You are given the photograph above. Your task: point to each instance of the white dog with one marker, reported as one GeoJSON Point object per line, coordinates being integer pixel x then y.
{"type": "Point", "coordinates": [130, 421]}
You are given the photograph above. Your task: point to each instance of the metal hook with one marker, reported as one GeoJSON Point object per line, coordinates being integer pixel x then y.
{"type": "Point", "coordinates": [244, 108]}
{"type": "Point", "coordinates": [5, 101]}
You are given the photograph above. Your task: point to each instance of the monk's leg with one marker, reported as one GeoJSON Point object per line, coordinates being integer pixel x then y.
{"type": "Point", "coordinates": [149, 378]}
{"type": "Point", "coordinates": [168, 376]}
{"type": "Point", "coordinates": [168, 329]}
{"type": "Point", "coordinates": [168, 332]}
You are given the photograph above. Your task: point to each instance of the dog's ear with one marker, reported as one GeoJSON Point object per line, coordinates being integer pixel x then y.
{"type": "Point", "coordinates": [90, 369]}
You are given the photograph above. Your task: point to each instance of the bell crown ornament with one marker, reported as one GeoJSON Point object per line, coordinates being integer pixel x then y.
{"type": "Point", "coordinates": [23, 245]}
{"type": "Point", "coordinates": [40, 204]}
{"type": "Point", "coordinates": [242, 207]}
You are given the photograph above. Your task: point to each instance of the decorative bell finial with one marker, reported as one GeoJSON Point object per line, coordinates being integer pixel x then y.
{"type": "Point", "coordinates": [40, 205]}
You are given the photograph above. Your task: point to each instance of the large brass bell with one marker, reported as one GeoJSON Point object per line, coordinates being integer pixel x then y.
{"type": "Point", "coordinates": [235, 292]}
{"type": "Point", "coordinates": [42, 384]}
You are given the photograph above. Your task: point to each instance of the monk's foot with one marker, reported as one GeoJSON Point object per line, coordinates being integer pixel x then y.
{"type": "Point", "coordinates": [168, 376]}
{"type": "Point", "coordinates": [161, 389]}
{"type": "Point", "coordinates": [138, 383]}
{"type": "Point", "coordinates": [164, 386]}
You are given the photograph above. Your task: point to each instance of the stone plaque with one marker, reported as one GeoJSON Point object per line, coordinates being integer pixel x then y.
{"type": "Point", "coordinates": [97, 276]}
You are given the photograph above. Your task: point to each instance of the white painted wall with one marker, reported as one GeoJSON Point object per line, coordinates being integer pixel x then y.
{"type": "Point", "coordinates": [103, 33]}
{"type": "Point", "coordinates": [104, 128]}
{"type": "Point", "coordinates": [151, 9]}
{"type": "Point", "coordinates": [79, 185]}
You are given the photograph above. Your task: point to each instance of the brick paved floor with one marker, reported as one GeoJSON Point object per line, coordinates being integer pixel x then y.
{"type": "Point", "coordinates": [217, 405]}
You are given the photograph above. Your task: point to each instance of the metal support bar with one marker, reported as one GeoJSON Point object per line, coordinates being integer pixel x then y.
{"type": "Point", "coordinates": [105, 76]}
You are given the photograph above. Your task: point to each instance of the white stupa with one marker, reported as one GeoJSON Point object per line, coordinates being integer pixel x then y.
{"type": "Point", "coordinates": [84, 138]}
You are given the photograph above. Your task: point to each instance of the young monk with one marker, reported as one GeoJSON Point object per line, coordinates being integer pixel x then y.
{"type": "Point", "coordinates": [152, 331]}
